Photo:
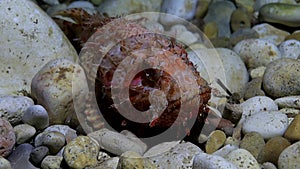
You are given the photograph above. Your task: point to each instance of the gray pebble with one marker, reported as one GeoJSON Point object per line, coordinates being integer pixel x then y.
{"type": "Point", "coordinates": [288, 102]}
{"type": "Point", "coordinates": [253, 142]}
{"type": "Point", "coordinates": [36, 116]}
{"type": "Point", "coordinates": [4, 163]}
{"type": "Point", "coordinates": [208, 161]}
{"type": "Point", "coordinates": [38, 154]}
{"type": "Point", "coordinates": [282, 78]}
{"type": "Point", "coordinates": [68, 132]}
{"type": "Point", "coordinates": [51, 162]}
{"type": "Point", "coordinates": [12, 108]}
{"type": "Point", "coordinates": [253, 88]}
{"type": "Point", "coordinates": [290, 49]}
{"type": "Point", "coordinates": [19, 158]}
{"type": "Point", "coordinates": [241, 34]}
{"type": "Point", "coordinates": [52, 139]}
{"type": "Point", "coordinates": [24, 132]}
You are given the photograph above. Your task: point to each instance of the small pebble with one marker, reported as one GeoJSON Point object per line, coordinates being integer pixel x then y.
{"type": "Point", "coordinates": [207, 161]}
{"type": "Point", "coordinates": [131, 159]}
{"type": "Point", "coordinates": [111, 163]}
{"type": "Point", "coordinates": [52, 139]}
{"type": "Point", "coordinates": [257, 52]}
{"type": "Point", "coordinates": [273, 148]}
{"type": "Point", "coordinates": [134, 138]}
{"type": "Point", "coordinates": [253, 88]}
{"type": "Point", "coordinates": [290, 49]}
{"type": "Point", "coordinates": [290, 157]}
{"type": "Point", "coordinates": [268, 165]}
{"type": "Point", "coordinates": [19, 158]}
{"type": "Point", "coordinates": [225, 150]}
{"type": "Point", "coordinates": [102, 156]}
{"type": "Point", "coordinates": [51, 162]}
{"type": "Point", "coordinates": [7, 137]}
{"type": "Point", "coordinates": [68, 132]}
{"type": "Point", "coordinates": [24, 132]}
{"type": "Point", "coordinates": [256, 104]}
{"type": "Point", "coordinates": [257, 72]}
{"type": "Point", "coordinates": [12, 108]}
{"type": "Point", "coordinates": [267, 123]}
{"type": "Point", "coordinates": [282, 78]}
{"type": "Point", "coordinates": [288, 102]}
{"type": "Point", "coordinates": [81, 152]}
{"type": "Point", "coordinates": [4, 163]}
{"type": "Point", "coordinates": [240, 19]}
{"type": "Point", "coordinates": [36, 116]}
{"type": "Point", "coordinates": [38, 154]}
{"type": "Point", "coordinates": [242, 34]}
{"type": "Point", "coordinates": [215, 140]}
{"type": "Point", "coordinates": [253, 142]}
{"type": "Point", "coordinates": [293, 131]}
{"type": "Point", "coordinates": [242, 159]}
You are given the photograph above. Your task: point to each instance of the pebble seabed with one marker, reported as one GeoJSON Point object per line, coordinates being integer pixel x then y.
{"type": "Point", "coordinates": [257, 43]}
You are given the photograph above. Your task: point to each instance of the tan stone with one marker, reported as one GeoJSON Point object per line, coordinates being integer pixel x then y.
{"type": "Point", "coordinates": [215, 140]}
{"type": "Point", "coordinates": [293, 131]}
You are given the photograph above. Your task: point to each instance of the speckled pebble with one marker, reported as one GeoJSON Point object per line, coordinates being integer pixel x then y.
{"type": "Point", "coordinates": [12, 108]}
{"type": "Point", "coordinates": [52, 139]}
{"type": "Point", "coordinates": [38, 154]}
{"type": "Point", "coordinates": [268, 165]}
{"type": "Point", "coordinates": [177, 155]}
{"type": "Point", "coordinates": [225, 150]}
{"type": "Point", "coordinates": [68, 132]}
{"type": "Point", "coordinates": [111, 163]}
{"type": "Point", "coordinates": [273, 148]}
{"type": "Point", "coordinates": [207, 161]}
{"type": "Point", "coordinates": [253, 142]}
{"type": "Point", "coordinates": [24, 132]}
{"type": "Point", "coordinates": [253, 88]}
{"type": "Point", "coordinates": [290, 49]}
{"type": "Point", "coordinates": [115, 142]}
{"type": "Point", "coordinates": [4, 163]}
{"type": "Point", "coordinates": [282, 78]}
{"type": "Point", "coordinates": [290, 157]}
{"type": "Point", "coordinates": [51, 162]}
{"type": "Point", "coordinates": [20, 157]}
{"type": "Point", "coordinates": [243, 159]}
{"type": "Point", "coordinates": [36, 116]}
{"type": "Point", "coordinates": [52, 87]}
{"type": "Point", "coordinates": [256, 104]}
{"type": "Point", "coordinates": [270, 33]}
{"type": "Point", "coordinates": [257, 52]}
{"type": "Point", "coordinates": [215, 140]}
{"type": "Point", "coordinates": [293, 131]}
{"type": "Point", "coordinates": [267, 123]}
{"type": "Point", "coordinates": [7, 137]}
{"type": "Point", "coordinates": [288, 102]}
{"type": "Point", "coordinates": [81, 152]}
{"type": "Point", "coordinates": [131, 159]}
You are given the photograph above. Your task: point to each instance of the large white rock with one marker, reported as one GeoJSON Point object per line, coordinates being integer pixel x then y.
{"type": "Point", "coordinates": [29, 38]}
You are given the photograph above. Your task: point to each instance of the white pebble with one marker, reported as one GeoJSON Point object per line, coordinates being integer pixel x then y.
{"type": "Point", "coordinates": [290, 49]}
{"type": "Point", "coordinates": [207, 161]}
{"type": "Point", "coordinates": [36, 116]}
{"type": "Point", "coordinates": [289, 102]}
{"type": "Point", "coordinates": [243, 159]}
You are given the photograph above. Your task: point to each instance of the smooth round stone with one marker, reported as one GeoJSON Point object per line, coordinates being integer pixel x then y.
{"type": "Point", "coordinates": [240, 20]}
{"type": "Point", "coordinates": [222, 19]}
{"type": "Point", "coordinates": [253, 88]}
{"type": "Point", "coordinates": [256, 104]}
{"type": "Point", "coordinates": [131, 159]}
{"type": "Point", "coordinates": [267, 123]}
{"type": "Point", "coordinates": [123, 7]}
{"type": "Point", "coordinates": [30, 39]}
{"type": "Point", "coordinates": [81, 152]}
{"type": "Point", "coordinates": [115, 142]}
{"type": "Point", "coordinates": [51, 162]}
{"type": "Point", "coordinates": [273, 148]}
{"type": "Point", "coordinates": [68, 132]}
{"type": "Point", "coordinates": [270, 33]}
{"type": "Point", "coordinates": [290, 157]}
{"type": "Point", "coordinates": [7, 137]}
{"type": "Point", "coordinates": [185, 9]}
{"type": "Point", "coordinates": [257, 52]}
{"type": "Point", "coordinates": [242, 34]}
{"type": "Point", "coordinates": [4, 164]}
{"type": "Point", "coordinates": [36, 116]}
{"type": "Point", "coordinates": [243, 159]}
{"type": "Point", "coordinates": [293, 131]}
{"type": "Point", "coordinates": [282, 78]}
{"type": "Point", "coordinates": [215, 140]}
{"type": "Point", "coordinates": [253, 142]}
{"type": "Point", "coordinates": [286, 14]}
{"type": "Point", "coordinates": [53, 88]}
{"type": "Point", "coordinates": [290, 49]}
{"type": "Point", "coordinates": [175, 156]}
{"type": "Point", "coordinates": [207, 161]}
{"type": "Point", "coordinates": [12, 108]}
{"type": "Point", "coordinates": [24, 132]}
{"type": "Point", "coordinates": [38, 154]}
{"type": "Point", "coordinates": [288, 102]}
{"type": "Point", "coordinates": [52, 139]}
{"type": "Point", "coordinates": [19, 158]}
{"type": "Point", "coordinates": [96, 2]}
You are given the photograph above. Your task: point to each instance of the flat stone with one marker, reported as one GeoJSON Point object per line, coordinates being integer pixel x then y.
{"type": "Point", "coordinates": [12, 108]}
{"type": "Point", "coordinates": [290, 157]}
{"type": "Point", "coordinates": [273, 148]}
{"type": "Point", "coordinates": [24, 132]}
{"type": "Point", "coordinates": [7, 138]}
{"type": "Point", "coordinates": [253, 142]}
{"type": "Point", "coordinates": [282, 78]}
{"type": "Point", "coordinates": [243, 159]}
{"type": "Point", "coordinates": [20, 157]}
{"type": "Point", "coordinates": [267, 123]}
{"type": "Point", "coordinates": [215, 140]}
{"type": "Point", "coordinates": [29, 39]}
{"type": "Point", "coordinates": [293, 131]}
{"type": "Point", "coordinates": [36, 116]}
{"type": "Point", "coordinates": [50, 162]}
{"type": "Point", "coordinates": [207, 161]}
{"type": "Point", "coordinates": [288, 102]}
